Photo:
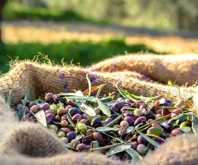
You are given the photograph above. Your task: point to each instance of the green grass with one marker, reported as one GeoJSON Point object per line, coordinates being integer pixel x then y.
{"type": "Point", "coordinates": [85, 53]}
{"type": "Point", "coordinates": [17, 12]}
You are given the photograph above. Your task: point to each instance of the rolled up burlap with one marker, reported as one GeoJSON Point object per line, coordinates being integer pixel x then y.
{"type": "Point", "coordinates": [180, 69]}
{"type": "Point", "coordinates": [27, 143]}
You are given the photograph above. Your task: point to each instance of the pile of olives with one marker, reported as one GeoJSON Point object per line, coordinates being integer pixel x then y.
{"type": "Point", "coordinates": [136, 123]}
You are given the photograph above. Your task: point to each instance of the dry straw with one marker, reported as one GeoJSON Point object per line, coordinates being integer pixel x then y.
{"type": "Point", "coordinates": [29, 143]}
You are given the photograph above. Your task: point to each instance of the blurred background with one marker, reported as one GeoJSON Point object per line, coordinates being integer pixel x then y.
{"type": "Point", "coordinates": [87, 31]}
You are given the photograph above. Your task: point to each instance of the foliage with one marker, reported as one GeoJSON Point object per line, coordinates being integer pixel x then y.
{"type": "Point", "coordinates": [84, 53]}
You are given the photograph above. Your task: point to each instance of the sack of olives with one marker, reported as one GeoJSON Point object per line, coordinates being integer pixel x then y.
{"type": "Point", "coordinates": [79, 116]}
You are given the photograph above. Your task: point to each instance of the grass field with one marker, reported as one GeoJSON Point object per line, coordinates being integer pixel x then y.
{"type": "Point", "coordinates": [84, 45]}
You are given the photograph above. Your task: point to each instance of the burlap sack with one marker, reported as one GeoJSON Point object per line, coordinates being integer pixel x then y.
{"type": "Point", "coordinates": [25, 143]}
{"type": "Point", "coordinates": [180, 69]}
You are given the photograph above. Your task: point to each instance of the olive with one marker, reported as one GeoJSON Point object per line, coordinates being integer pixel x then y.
{"type": "Point", "coordinates": [76, 117]}
{"type": "Point", "coordinates": [107, 121]}
{"type": "Point", "coordinates": [45, 106]}
{"type": "Point", "coordinates": [143, 106]}
{"type": "Point", "coordinates": [168, 127]}
{"type": "Point", "coordinates": [122, 132]}
{"type": "Point", "coordinates": [114, 109]}
{"type": "Point", "coordinates": [32, 119]}
{"type": "Point", "coordinates": [124, 124]}
{"type": "Point", "coordinates": [159, 140]}
{"type": "Point", "coordinates": [64, 139]}
{"type": "Point", "coordinates": [150, 115]}
{"type": "Point", "coordinates": [68, 107]}
{"type": "Point", "coordinates": [82, 147]}
{"type": "Point", "coordinates": [173, 115]}
{"type": "Point", "coordinates": [57, 117]}
{"type": "Point", "coordinates": [74, 143]}
{"type": "Point", "coordinates": [183, 124]}
{"type": "Point", "coordinates": [165, 112]}
{"type": "Point", "coordinates": [124, 156]}
{"type": "Point", "coordinates": [176, 132]}
{"type": "Point", "coordinates": [130, 120]}
{"type": "Point", "coordinates": [61, 134]}
{"type": "Point", "coordinates": [114, 116]}
{"type": "Point", "coordinates": [64, 123]}
{"type": "Point", "coordinates": [34, 108]}
{"type": "Point", "coordinates": [138, 112]}
{"type": "Point", "coordinates": [87, 139]}
{"type": "Point", "coordinates": [98, 137]}
{"type": "Point", "coordinates": [74, 110]}
{"type": "Point", "coordinates": [63, 117]}
{"type": "Point", "coordinates": [26, 110]}
{"type": "Point", "coordinates": [49, 117]}
{"type": "Point", "coordinates": [118, 105]}
{"type": "Point", "coordinates": [141, 140]}
{"type": "Point", "coordinates": [71, 135]}
{"type": "Point", "coordinates": [129, 100]}
{"type": "Point", "coordinates": [31, 103]}
{"type": "Point", "coordinates": [54, 127]}
{"type": "Point", "coordinates": [25, 118]}
{"type": "Point", "coordinates": [48, 111]}
{"type": "Point", "coordinates": [19, 107]}
{"type": "Point", "coordinates": [134, 105]}
{"type": "Point", "coordinates": [125, 108]}
{"type": "Point", "coordinates": [48, 97]}
{"type": "Point", "coordinates": [134, 145]}
{"type": "Point", "coordinates": [83, 121]}
{"type": "Point", "coordinates": [65, 130]}
{"type": "Point", "coordinates": [61, 111]}
{"type": "Point", "coordinates": [139, 120]}
{"type": "Point", "coordinates": [90, 132]}
{"type": "Point", "coordinates": [53, 108]}
{"type": "Point", "coordinates": [96, 122]}
{"type": "Point", "coordinates": [141, 148]}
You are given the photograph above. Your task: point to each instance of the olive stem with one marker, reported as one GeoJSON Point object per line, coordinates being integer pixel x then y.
{"type": "Point", "coordinates": [105, 147]}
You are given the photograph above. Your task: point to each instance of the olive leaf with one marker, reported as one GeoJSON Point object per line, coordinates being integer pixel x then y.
{"type": "Point", "coordinates": [103, 108]}
{"type": "Point", "coordinates": [118, 149]}
{"type": "Point", "coordinates": [79, 136]}
{"type": "Point", "coordinates": [181, 117]}
{"type": "Point", "coordinates": [115, 138]}
{"type": "Point", "coordinates": [70, 119]}
{"type": "Point", "coordinates": [89, 84]}
{"type": "Point", "coordinates": [106, 129]}
{"type": "Point", "coordinates": [40, 117]}
{"type": "Point", "coordinates": [129, 129]}
{"type": "Point", "coordinates": [87, 109]}
{"type": "Point", "coordinates": [154, 143]}
{"type": "Point", "coordinates": [30, 94]}
{"type": "Point", "coordinates": [20, 114]}
{"type": "Point", "coordinates": [194, 124]}
{"type": "Point", "coordinates": [115, 121]}
{"type": "Point", "coordinates": [134, 154]}
{"type": "Point", "coordinates": [9, 98]}
{"type": "Point", "coordinates": [94, 145]}
{"type": "Point", "coordinates": [185, 129]}
{"type": "Point", "coordinates": [100, 89]}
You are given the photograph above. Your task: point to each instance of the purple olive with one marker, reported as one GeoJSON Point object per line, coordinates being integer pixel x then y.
{"type": "Point", "coordinates": [139, 120]}
{"type": "Point", "coordinates": [96, 122]}
{"type": "Point", "coordinates": [50, 117]}
{"type": "Point", "coordinates": [82, 147]}
{"type": "Point", "coordinates": [134, 105]}
{"type": "Point", "coordinates": [19, 107]}
{"type": "Point", "coordinates": [159, 140]}
{"type": "Point", "coordinates": [83, 121]}
{"type": "Point", "coordinates": [124, 156]}
{"type": "Point", "coordinates": [107, 121]}
{"type": "Point", "coordinates": [48, 111]}
{"type": "Point", "coordinates": [90, 132]}
{"type": "Point", "coordinates": [61, 111]}
{"type": "Point", "coordinates": [114, 116]}
{"type": "Point", "coordinates": [177, 111]}
{"type": "Point", "coordinates": [87, 140]}
{"type": "Point", "coordinates": [71, 135]}
{"type": "Point", "coordinates": [150, 115]}
{"type": "Point", "coordinates": [34, 108]}
{"type": "Point", "coordinates": [76, 117]}
{"type": "Point", "coordinates": [122, 133]}
{"type": "Point", "coordinates": [114, 109]}
{"type": "Point", "coordinates": [26, 110]}
{"type": "Point", "coordinates": [74, 110]}
{"type": "Point", "coordinates": [63, 117]}
{"type": "Point", "coordinates": [118, 105]}
{"type": "Point", "coordinates": [125, 108]}
{"type": "Point", "coordinates": [129, 101]}
{"type": "Point", "coordinates": [31, 103]}
{"type": "Point", "coordinates": [141, 140]}
{"type": "Point", "coordinates": [25, 118]}
{"type": "Point", "coordinates": [130, 120]}
{"type": "Point", "coordinates": [45, 106]}
{"type": "Point", "coordinates": [165, 112]}
{"type": "Point", "coordinates": [134, 145]}
{"type": "Point", "coordinates": [65, 130]}
{"type": "Point", "coordinates": [98, 137]}
{"type": "Point", "coordinates": [141, 148]}
{"type": "Point", "coordinates": [48, 97]}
